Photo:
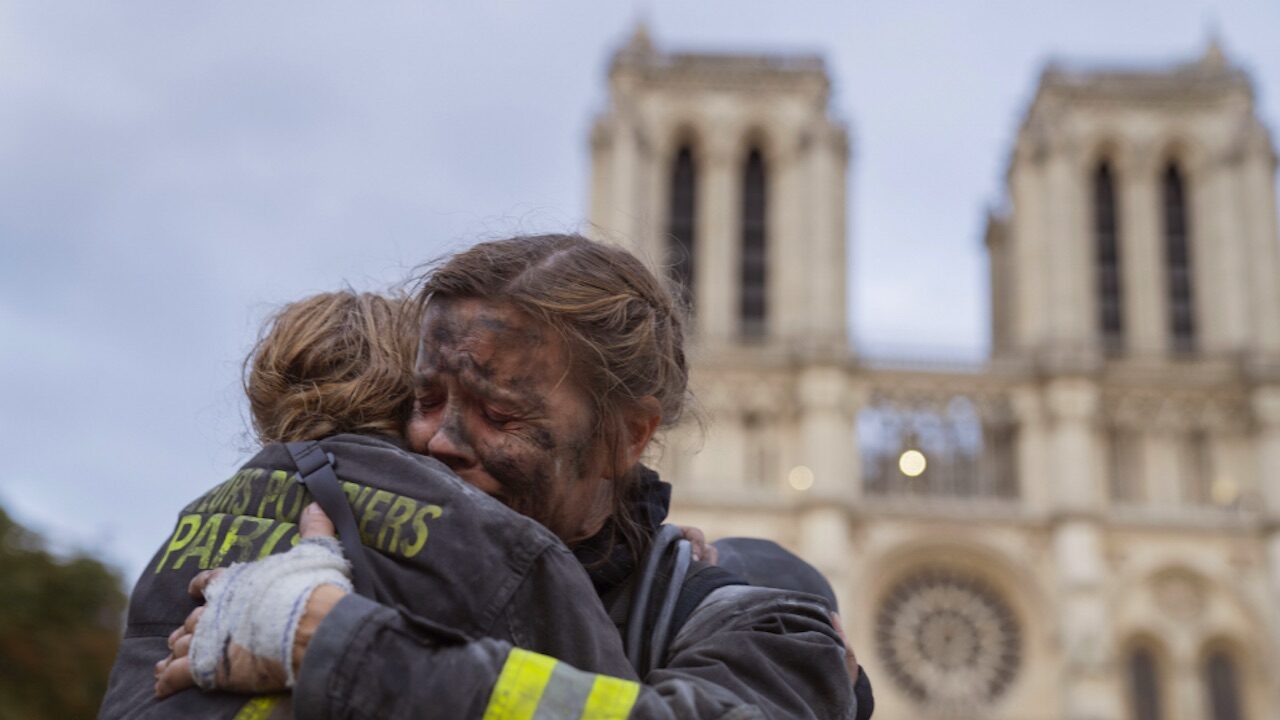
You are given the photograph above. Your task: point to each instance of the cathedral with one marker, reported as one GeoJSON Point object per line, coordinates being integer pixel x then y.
{"type": "Point", "coordinates": [1086, 525]}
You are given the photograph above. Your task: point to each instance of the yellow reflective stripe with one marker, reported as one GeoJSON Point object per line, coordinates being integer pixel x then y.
{"type": "Point", "coordinates": [610, 699]}
{"type": "Point", "coordinates": [520, 685]}
{"type": "Point", "coordinates": [258, 708]}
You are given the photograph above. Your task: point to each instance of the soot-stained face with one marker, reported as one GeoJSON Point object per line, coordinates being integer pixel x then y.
{"type": "Point", "coordinates": [495, 401]}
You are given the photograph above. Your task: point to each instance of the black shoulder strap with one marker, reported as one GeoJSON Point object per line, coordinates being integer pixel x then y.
{"type": "Point", "coordinates": [668, 589]}
{"type": "Point", "coordinates": [316, 474]}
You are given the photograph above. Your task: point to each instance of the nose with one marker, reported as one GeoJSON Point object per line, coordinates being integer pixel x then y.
{"type": "Point", "coordinates": [451, 446]}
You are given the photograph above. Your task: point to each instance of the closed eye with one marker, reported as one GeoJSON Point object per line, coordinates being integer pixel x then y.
{"type": "Point", "coordinates": [497, 417]}
{"type": "Point", "coordinates": [426, 399]}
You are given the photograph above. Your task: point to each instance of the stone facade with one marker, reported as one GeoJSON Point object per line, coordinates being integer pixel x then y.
{"type": "Point", "coordinates": [1087, 525]}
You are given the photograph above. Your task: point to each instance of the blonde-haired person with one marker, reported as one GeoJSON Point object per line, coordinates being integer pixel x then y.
{"type": "Point", "coordinates": [546, 365]}
{"type": "Point", "coordinates": [336, 368]}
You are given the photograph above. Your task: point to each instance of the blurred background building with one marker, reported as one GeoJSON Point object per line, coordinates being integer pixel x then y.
{"type": "Point", "coordinates": [1086, 524]}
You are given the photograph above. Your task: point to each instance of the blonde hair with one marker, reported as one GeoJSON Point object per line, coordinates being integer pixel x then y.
{"type": "Point", "coordinates": [332, 363]}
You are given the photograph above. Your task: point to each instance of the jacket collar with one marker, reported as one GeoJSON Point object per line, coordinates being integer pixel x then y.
{"type": "Point", "coordinates": [607, 559]}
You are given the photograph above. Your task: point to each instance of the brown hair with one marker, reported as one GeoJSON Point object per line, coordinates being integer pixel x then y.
{"type": "Point", "coordinates": [623, 329]}
{"type": "Point", "coordinates": [332, 363]}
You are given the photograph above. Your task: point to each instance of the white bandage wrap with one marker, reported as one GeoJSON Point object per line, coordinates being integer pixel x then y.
{"type": "Point", "coordinates": [257, 605]}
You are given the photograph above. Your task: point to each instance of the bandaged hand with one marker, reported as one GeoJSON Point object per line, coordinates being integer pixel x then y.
{"type": "Point", "coordinates": [250, 635]}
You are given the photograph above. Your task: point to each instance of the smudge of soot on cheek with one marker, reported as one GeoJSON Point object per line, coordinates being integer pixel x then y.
{"type": "Point", "coordinates": [524, 477]}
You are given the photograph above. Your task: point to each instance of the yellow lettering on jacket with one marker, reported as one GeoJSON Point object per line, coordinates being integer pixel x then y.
{"type": "Point", "coordinates": [410, 549]}
{"type": "Point", "coordinates": [202, 546]}
{"type": "Point", "coordinates": [188, 525]}
{"type": "Point", "coordinates": [397, 515]}
{"type": "Point", "coordinates": [241, 542]}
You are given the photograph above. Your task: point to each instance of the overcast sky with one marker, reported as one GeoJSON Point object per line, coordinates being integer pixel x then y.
{"type": "Point", "coordinates": [171, 171]}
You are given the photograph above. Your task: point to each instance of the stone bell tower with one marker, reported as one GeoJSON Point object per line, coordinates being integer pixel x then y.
{"type": "Point", "coordinates": [1136, 273]}
{"type": "Point", "coordinates": [1143, 222]}
{"type": "Point", "coordinates": [728, 173]}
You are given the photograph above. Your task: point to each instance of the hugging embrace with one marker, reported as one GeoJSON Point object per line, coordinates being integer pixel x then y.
{"type": "Point", "coordinates": [503, 555]}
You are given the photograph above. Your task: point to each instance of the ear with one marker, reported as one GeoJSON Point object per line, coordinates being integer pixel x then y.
{"type": "Point", "coordinates": [639, 424]}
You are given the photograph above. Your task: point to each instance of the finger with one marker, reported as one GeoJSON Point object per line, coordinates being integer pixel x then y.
{"type": "Point", "coordinates": [173, 636]}
{"type": "Point", "coordinates": [694, 535]}
{"type": "Point", "coordinates": [850, 658]}
{"type": "Point", "coordinates": [697, 540]}
{"type": "Point", "coordinates": [182, 647]}
{"type": "Point", "coordinates": [314, 523]}
{"type": "Point", "coordinates": [712, 555]}
{"type": "Point", "coordinates": [201, 581]}
{"type": "Point", "coordinates": [175, 677]}
{"type": "Point", "coordinates": [161, 665]}
{"type": "Point", "coordinates": [189, 627]}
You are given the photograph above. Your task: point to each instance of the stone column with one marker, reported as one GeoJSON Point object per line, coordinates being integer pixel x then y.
{"type": "Point", "coordinates": [829, 450]}
{"type": "Point", "coordinates": [1266, 411]}
{"type": "Point", "coordinates": [1142, 257]}
{"type": "Point", "coordinates": [825, 271]}
{"type": "Point", "coordinates": [653, 199]}
{"type": "Point", "coordinates": [1071, 301]}
{"type": "Point", "coordinates": [827, 431]}
{"type": "Point", "coordinates": [1089, 686]}
{"type": "Point", "coordinates": [1259, 190]}
{"type": "Point", "coordinates": [1090, 689]}
{"type": "Point", "coordinates": [718, 249]}
{"type": "Point", "coordinates": [1219, 244]}
{"type": "Point", "coordinates": [601, 177]}
{"type": "Point", "coordinates": [1187, 696]}
{"type": "Point", "coordinates": [621, 220]}
{"type": "Point", "coordinates": [1029, 265]}
{"type": "Point", "coordinates": [1032, 457]}
{"type": "Point", "coordinates": [1072, 404]}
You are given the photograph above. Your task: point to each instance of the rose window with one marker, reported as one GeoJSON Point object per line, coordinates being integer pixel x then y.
{"type": "Point", "coordinates": [948, 639]}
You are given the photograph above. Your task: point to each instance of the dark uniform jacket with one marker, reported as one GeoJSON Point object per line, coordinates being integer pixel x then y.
{"type": "Point", "coordinates": [450, 557]}
{"type": "Point", "coordinates": [744, 652]}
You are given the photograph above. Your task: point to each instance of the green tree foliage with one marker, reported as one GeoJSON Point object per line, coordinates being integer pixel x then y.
{"type": "Point", "coordinates": [59, 629]}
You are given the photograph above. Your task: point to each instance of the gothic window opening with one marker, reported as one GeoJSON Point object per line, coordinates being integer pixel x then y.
{"type": "Point", "coordinates": [682, 223]}
{"type": "Point", "coordinates": [1124, 449]}
{"type": "Point", "coordinates": [1177, 243]}
{"type": "Point", "coordinates": [1197, 468]}
{"type": "Point", "coordinates": [1144, 685]}
{"type": "Point", "coordinates": [1223, 685]}
{"type": "Point", "coordinates": [962, 451]}
{"type": "Point", "coordinates": [753, 304]}
{"type": "Point", "coordinates": [1107, 256]}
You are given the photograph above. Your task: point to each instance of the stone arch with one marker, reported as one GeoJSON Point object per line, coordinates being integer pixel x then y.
{"type": "Point", "coordinates": [1105, 145]}
{"type": "Point", "coordinates": [680, 134]}
{"type": "Point", "coordinates": [1182, 149]}
{"type": "Point", "coordinates": [1250, 681]}
{"type": "Point", "coordinates": [1184, 602]}
{"type": "Point", "coordinates": [757, 136]}
{"type": "Point", "coordinates": [1017, 580]}
{"type": "Point", "coordinates": [1145, 703]}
